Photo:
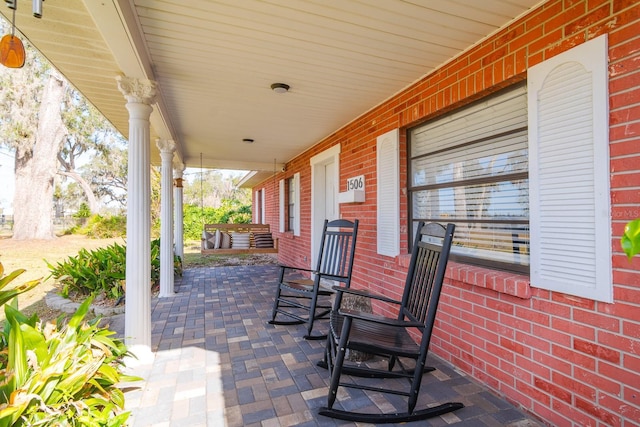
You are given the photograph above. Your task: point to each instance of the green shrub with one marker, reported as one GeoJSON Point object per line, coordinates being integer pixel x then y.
{"type": "Point", "coordinates": [93, 272]}
{"type": "Point", "coordinates": [83, 211]}
{"type": "Point", "coordinates": [193, 219]}
{"type": "Point", "coordinates": [61, 377]}
{"type": "Point", "coordinates": [99, 227]}
{"type": "Point", "coordinates": [231, 211]}
{"type": "Point", "coordinates": [103, 271]}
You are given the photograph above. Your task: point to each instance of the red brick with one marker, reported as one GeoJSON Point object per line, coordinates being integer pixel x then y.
{"type": "Point", "coordinates": [534, 342]}
{"type": "Point", "coordinates": [576, 387]}
{"type": "Point", "coordinates": [535, 367]}
{"type": "Point", "coordinates": [619, 374]}
{"type": "Point", "coordinates": [588, 20]}
{"type": "Point", "coordinates": [515, 347]}
{"type": "Point", "coordinates": [573, 328]}
{"type": "Point", "coordinates": [553, 390]}
{"type": "Point", "coordinates": [543, 15]}
{"type": "Point", "coordinates": [597, 320]}
{"type": "Point", "coordinates": [624, 33]}
{"type": "Point", "coordinates": [626, 311]}
{"type": "Point", "coordinates": [598, 411]}
{"type": "Point", "coordinates": [595, 350]}
{"type": "Point", "coordinates": [574, 357]}
{"type": "Point", "coordinates": [554, 416]}
{"type": "Point", "coordinates": [631, 330]}
{"type": "Point", "coordinates": [577, 417]}
{"type": "Point", "coordinates": [617, 342]}
{"type": "Point", "coordinates": [625, 180]}
{"type": "Point", "coordinates": [600, 382]}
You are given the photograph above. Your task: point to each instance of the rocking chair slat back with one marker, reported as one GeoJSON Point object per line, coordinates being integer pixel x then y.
{"type": "Point", "coordinates": [337, 250]}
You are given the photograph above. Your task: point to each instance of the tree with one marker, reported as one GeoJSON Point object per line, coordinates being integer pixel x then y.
{"type": "Point", "coordinates": [211, 188]}
{"type": "Point", "coordinates": [37, 135]}
{"type": "Point", "coordinates": [39, 111]}
{"type": "Point", "coordinates": [108, 172]}
{"type": "Point", "coordinates": [88, 133]}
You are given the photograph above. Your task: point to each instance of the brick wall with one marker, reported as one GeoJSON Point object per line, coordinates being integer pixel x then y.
{"type": "Point", "coordinates": [568, 360]}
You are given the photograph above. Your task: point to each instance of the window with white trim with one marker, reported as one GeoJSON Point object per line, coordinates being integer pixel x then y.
{"type": "Point", "coordinates": [527, 185]}
{"type": "Point", "coordinates": [289, 202]}
{"type": "Point", "coordinates": [471, 168]}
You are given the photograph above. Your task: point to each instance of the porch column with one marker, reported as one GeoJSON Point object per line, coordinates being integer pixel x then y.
{"type": "Point", "coordinates": [167, 148]}
{"type": "Point", "coordinates": [140, 94]}
{"type": "Point", "coordinates": [178, 216]}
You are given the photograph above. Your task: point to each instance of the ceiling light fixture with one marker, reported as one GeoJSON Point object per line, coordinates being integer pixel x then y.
{"type": "Point", "coordinates": [248, 140]}
{"type": "Point", "coordinates": [280, 87]}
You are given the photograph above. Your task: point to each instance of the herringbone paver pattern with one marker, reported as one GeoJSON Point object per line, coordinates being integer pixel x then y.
{"type": "Point", "coordinates": [218, 363]}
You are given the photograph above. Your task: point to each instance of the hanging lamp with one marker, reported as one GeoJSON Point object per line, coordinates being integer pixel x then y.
{"type": "Point", "coordinates": [11, 49]}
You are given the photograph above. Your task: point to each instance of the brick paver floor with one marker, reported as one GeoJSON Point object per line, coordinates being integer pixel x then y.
{"type": "Point", "coordinates": [219, 363]}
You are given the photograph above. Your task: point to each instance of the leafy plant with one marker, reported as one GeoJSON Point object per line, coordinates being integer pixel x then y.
{"type": "Point", "coordinates": [92, 272]}
{"type": "Point", "coordinates": [155, 262]}
{"type": "Point", "coordinates": [9, 294]}
{"type": "Point", "coordinates": [51, 376]}
{"type": "Point", "coordinates": [103, 271]}
{"type": "Point", "coordinates": [631, 238]}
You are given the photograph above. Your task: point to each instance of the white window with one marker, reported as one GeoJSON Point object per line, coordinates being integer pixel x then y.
{"type": "Point", "coordinates": [470, 168]}
{"type": "Point", "coordinates": [569, 172]}
{"type": "Point", "coordinates": [290, 204]}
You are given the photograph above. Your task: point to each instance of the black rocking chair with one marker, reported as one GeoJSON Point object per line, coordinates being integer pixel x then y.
{"type": "Point", "coordinates": [389, 337]}
{"type": "Point", "coordinates": [301, 295]}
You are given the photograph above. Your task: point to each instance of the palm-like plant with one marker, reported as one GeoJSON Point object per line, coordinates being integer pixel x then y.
{"type": "Point", "coordinates": [51, 376]}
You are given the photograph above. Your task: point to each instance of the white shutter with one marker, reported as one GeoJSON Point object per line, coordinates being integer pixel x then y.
{"type": "Point", "coordinates": [263, 205]}
{"type": "Point", "coordinates": [388, 209]}
{"type": "Point", "coordinates": [296, 205]}
{"type": "Point", "coordinates": [281, 209]}
{"type": "Point", "coordinates": [256, 214]}
{"type": "Point", "coordinates": [569, 173]}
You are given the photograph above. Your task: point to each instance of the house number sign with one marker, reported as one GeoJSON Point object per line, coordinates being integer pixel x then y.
{"type": "Point", "coordinates": [355, 183]}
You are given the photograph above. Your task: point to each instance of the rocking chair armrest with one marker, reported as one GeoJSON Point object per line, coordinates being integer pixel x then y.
{"type": "Point", "coordinates": [365, 293]}
{"type": "Point", "coordinates": [370, 317]}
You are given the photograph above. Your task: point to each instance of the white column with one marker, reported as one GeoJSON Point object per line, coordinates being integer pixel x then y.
{"type": "Point", "coordinates": [178, 217]}
{"type": "Point", "coordinates": [166, 147]}
{"type": "Point", "coordinates": [140, 94]}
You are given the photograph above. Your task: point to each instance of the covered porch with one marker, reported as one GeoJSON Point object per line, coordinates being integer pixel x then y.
{"type": "Point", "coordinates": [218, 363]}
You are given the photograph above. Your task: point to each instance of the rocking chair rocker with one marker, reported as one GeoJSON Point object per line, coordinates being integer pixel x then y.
{"type": "Point", "coordinates": [304, 299]}
{"type": "Point", "coordinates": [389, 337]}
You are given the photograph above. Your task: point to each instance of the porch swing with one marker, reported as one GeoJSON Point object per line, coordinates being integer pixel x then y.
{"type": "Point", "coordinates": [234, 239]}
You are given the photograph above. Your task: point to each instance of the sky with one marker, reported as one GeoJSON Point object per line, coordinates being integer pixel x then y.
{"type": "Point", "coordinates": [7, 181]}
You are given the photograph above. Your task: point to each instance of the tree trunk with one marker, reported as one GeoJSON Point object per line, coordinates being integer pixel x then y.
{"type": "Point", "coordinates": [36, 167]}
{"type": "Point", "coordinates": [92, 201]}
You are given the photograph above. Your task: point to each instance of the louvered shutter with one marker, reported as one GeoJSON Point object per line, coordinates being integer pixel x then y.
{"type": "Point", "coordinates": [263, 206]}
{"type": "Point", "coordinates": [388, 214]}
{"type": "Point", "coordinates": [282, 205]}
{"type": "Point", "coordinates": [296, 206]}
{"type": "Point", "coordinates": [569, 173]}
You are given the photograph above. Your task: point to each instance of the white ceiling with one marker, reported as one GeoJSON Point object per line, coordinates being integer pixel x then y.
{"type": "Point", "coordinates": [214, 62]}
